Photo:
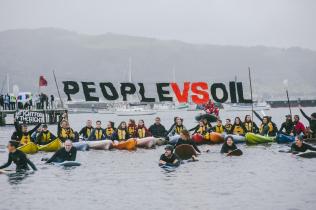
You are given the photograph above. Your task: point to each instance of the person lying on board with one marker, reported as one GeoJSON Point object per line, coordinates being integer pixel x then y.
{"type": "Point", "coordinates": [157, 129]}
{"type": "Point", "coordinates": [45, 136]}
{"type": "Point", "coordinates": [67, 153]}
{"type": "Point", "coordinates": [18, 157]}
{"type": "Point", "coordinates": [287, 126]}
{"type": "Point", "coordinates": [228, 145]}
{"type": "Point", "coordinates": [168, 158]}
{"type": "Point", "coordinates": [300, 146]}
{"type": "Point", "coordinates": [86, 130]}
{"type": "Point", "coordinates": [23, 135]}
{"type": "Point", "coordinates": [185, 139]}
{"type": "Point", "coordinates": [97, 133]}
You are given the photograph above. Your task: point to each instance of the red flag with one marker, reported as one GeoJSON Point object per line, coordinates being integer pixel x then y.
{"type": "Point", "coordinates": [42, 81]}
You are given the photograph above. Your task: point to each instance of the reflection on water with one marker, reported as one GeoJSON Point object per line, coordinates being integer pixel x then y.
{"type": "Point", "coordinates": [262, 178]}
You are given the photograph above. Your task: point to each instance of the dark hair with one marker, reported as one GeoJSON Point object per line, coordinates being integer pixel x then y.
{"type": "Point", "coordinates": [219, 120]}
{"type": "Point", "coordinates": [98, 121]}
{"type": "Point", "coordinates": [112, 124]}
{"type": "Point", "coordinates": [132, 121]}
{"type": "Point", "coordinates": [120, 125]}
{"type": "Point", "coordinates": [238, 119]}
{"type": "Point", "coordinates": [298, 117]}
{"type": "Point", "coordinates": [247, 115]}
{"type": "Point", "coordinates": [229, 137]}
{"type": "Point", "coordinates": [186, 133]}
{"type": "Point", "coordinates": [228, 120]}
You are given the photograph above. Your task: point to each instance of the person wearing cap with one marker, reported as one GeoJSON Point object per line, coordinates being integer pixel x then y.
{"type": "Point", "coordinates": [18, 157]}
{"type": "Point", "coordinates": [168, 157]}
{"type": "Point", "coordinates": [86, 130]}
{"type": "Point", "coordinates": [228, 145]}
{"type": "Point", "coordinates": [67, 153]}
{"type": "Point", "coordinates": [45, 136]}
{"type": "Point", "coordinates": [300, 146]}
{"type": "Point", "coordinates": [312, 122]}
{"type": "Point", "coordinates": [23, 135]}
{"type": "Point", "coordinates": [287, 126]}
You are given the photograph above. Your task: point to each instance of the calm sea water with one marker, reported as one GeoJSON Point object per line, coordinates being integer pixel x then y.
{"type": "Point", "coordinates": [262, 178]}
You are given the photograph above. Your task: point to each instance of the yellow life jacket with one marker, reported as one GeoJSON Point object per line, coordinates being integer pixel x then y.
{"type": "Point", "coordinates": [141, 132]}
{"type": "Point", "coordinates": [121, 134]}
{"type": "Point", "coordinates": [67, 133]}
{"type": "Point", "coordinates": [270, 127]}
{"type": "Point", "coordinates": [238, 130]}
{"type": "Point", "coordinates": [219, 129]}
{"type": "Point", "coordinates": [98, 134]}
{"type": "Point", "coordinates": [228, 127]}
{"type": "Point", "coordinates": [109, 131]}
{"type": "Point", "coordinates": [88, 131]}
{"type": "Point", "coordinates": [201, 130]}
{"type": "Point", "coordinates": [178, 129]}
{"type": "Point", "coordinates": [131, 130]}
{"type": "Point", "coordinates": [25, 139]}
{"type": "Point", "coordinates": [248, 126]}
{"type": "Point", "coordinates": [46, 137]}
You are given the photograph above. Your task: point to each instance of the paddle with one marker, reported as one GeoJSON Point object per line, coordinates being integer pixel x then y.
{"type": "Point", "coordinates": [285, 82]}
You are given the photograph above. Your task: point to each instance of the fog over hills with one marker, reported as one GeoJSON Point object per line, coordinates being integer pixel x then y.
{"type": "Point", "coordinates": [25, 54]}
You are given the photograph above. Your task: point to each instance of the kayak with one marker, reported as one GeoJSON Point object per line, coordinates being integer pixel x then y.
{"type": "Point", "coordinates": [236, 152]}
{"type": "Point", "coordinates": [29, 148]}
{"type": "Point", "coordinates": [130, 144]}
{"type": "Point", "coordinates": [81, 146]}
{"type": "Point", "coordinates": [216, 137]}
{"type": "Point", "coordinates": [198, 138]}
{"type": "Point", "coordinates": [307, 155]}
{"type": "Point", "coordinates": [68, 164]}
{"type": "Point", "coordinates": [237, 138]}
{"type": "Point", "coordinates": [312, 141]}
{"type": "Point", "coordinates": [5, 171]}
{"type": "Point", "coordinates": [100, 145]}
{"type": "Point", "coordinates": [185, 151]}
{"type": "Point", "coordinates": [283, 139]}
{"type": "Point", "coordinates": [51, 147]}
{"type": "Point", "coordinates": [208, 117]}
{"type": "Point", "coordinates": [148, 142]}
{"type": "Point", "coordinates": [252, 138]}
{"type": "Point", "coordinates": [174, 139]}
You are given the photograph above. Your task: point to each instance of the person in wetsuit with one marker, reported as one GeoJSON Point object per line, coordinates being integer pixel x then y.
{"type": "Point", "coordinates": [228, 145]}
{"type": "Point", "coordinates": [45, 136]}
{"type": "Point", "coordinates": [168, 158]}
{"type": "Point", "coordinates": [312, 122]}
{"type": "Point", "coordinates": [22, 133]}
{"type": "Point", "coordinates": [18, 157]}
{"type": "Point", "coordinates": [300, 146]}
{"type": "Point", "coordinates": [157, 129]}
{"type": "Point", "coordinates": [67, 153]}
{"type": "Point", "coordinates": [86, 130]}
{"type": "Point", "coordinates": [288, 126]}
{"type": "Point", "coordinates": [185, 139]}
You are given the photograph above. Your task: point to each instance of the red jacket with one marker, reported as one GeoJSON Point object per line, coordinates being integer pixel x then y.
{"type": "Point", "coordinates": [299, 128]}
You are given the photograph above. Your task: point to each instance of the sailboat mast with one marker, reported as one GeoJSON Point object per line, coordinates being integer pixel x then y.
{"type": "Point", "coordinates": [8, 83]}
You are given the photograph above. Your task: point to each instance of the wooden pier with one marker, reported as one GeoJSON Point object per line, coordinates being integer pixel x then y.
{"type": "Point", "coordinates": [49, 116]}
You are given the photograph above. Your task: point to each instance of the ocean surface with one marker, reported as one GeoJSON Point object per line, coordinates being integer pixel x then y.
{"type": "Point", "coordinates": [262, 178]}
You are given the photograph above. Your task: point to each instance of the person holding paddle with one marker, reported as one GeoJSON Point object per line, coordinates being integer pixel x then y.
{"type": "Point", "coordinates": [300, 146]}
{"type": "Point", "coordinates": [17, 157]}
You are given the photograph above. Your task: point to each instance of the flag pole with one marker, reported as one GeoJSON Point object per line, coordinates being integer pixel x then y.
{"type": "Point", "coordinates": [61, 101]}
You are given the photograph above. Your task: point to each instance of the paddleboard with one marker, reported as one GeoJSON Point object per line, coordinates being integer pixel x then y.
{"type": "Point", "coordinates": [68, 163]}
{"type": "Point", "coordinates": [185, 151]}
{"type": "Point", "coordinates": [307, 155]}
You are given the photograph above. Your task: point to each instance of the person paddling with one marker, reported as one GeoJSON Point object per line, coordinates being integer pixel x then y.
{"type": "Point", "coordinates": [300, 146]}
{"type": "Point", "coordinates": [67, 153]}
{"type": "Point", "coordinates": [168, 158]}
{"type": "Point", "coordinates": [18, 157]}
{"type": "Point", "coordinates": [228, 145]}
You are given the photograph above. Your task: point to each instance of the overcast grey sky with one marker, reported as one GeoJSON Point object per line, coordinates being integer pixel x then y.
{"type": "Point", "coordinates": [281, 23]}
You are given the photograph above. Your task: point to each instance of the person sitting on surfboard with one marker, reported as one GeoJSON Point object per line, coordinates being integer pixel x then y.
{"type": "Point", "coordinates": [86, 130]}
{"type": "Point", "coordinates": [45, 136]}
{"type": "Point", "coordinates": [67, 153]}
{"type": "Point", "coordinates": [300, 146]}
{"type": "Point", "coordinates": [185, 139]}
{"type": "Point", "coordinates": [157, 129]}
{"type": "Point", "coordinates": [18, 157]}
{"type": "Point", "coordinates": [288, 126]}
{"type": "Point", "coordinates": [228, 145]}
{"type": "Point", "coordinates": [168, 157]}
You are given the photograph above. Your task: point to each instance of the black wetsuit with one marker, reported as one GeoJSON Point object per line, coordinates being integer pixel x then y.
{"type": "Point", "coordinates": [288, 126]}
{"type": "Point", "coordinates": [62, 155]}
{"type": "Point", "coordinates": [84, 132]}
{"type": "Point", "coordinates": [169, 160]}
{"type": "Point", "coordinates": [227, 149]}
{"type": "Point", "coordinates": [312, 123]}
{"type": "Point", "coordinates": [21, 161]}
{"type": "Point", "coordinates": [303, 148]}
{"type": "Point", "coordinates": [180, 142]}
{"type": "Point", "coordinates": [158, 130]}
